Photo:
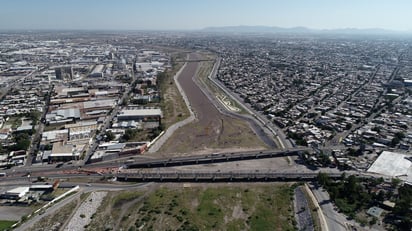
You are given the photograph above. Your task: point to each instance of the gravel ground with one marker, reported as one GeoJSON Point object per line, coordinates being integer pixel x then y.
{"type": "Point", "coordinates": [302, 211]}
{"type": "Point", "coordinates": [82, 216]}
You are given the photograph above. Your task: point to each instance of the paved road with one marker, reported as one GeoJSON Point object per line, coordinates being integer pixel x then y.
{"type": "Point", "coordinates": [108, 121]}
{"type": "Point", "coordinates": [334, 220]}
{"type": "Point", "coordinates": [36, 218]}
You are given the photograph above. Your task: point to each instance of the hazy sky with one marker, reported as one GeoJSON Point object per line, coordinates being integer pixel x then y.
{"type": "Point", "coordinates": [197, 14]}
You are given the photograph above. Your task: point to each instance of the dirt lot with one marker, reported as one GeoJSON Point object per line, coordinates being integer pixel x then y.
{"type": "Point", "coordinates": [14, 213]}
{"type": "Point", "coordinates": [211, 130]}
{"type": "Point", "coordinates": [257, 206]}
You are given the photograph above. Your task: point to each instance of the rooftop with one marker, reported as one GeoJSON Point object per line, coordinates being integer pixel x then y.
{"type": "Point", "coordinates": [394, 165]}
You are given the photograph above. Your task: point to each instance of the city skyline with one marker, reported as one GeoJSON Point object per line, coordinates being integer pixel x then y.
{"type": "Point", "coordinates": [193, 15]}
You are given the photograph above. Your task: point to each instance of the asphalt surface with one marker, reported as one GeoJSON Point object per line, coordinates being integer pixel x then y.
{"type": "Point", "coordinates": [334, 220]}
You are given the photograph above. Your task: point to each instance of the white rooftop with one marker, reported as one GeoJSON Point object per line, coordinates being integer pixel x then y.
{"type": "Point", "coordinates": [20, 191]}
{"type": "Point", "coordinates": [51, 135]}
{"type": "Point", "coordinates": [394, 165]}
{"type": "Point", "coordinates": [99, 103]}
{"type": "Point", "coordinates": [141, 112]}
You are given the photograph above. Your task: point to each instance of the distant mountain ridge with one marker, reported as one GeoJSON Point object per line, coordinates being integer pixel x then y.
{"type": "Point", "coordinates": [299, 30]}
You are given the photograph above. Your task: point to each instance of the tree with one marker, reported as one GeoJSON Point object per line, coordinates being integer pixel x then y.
{"type": "Point", "coordinates": [395, 141]}
{"type": "Point", "coordinates": [22, 141]}
{"type": "Point", "coordinates": [324, 159]}
{"type": "Point", "coordinates": [395, 182]}
{"type": "Point", "coordinates": [129, 134]}
{"type": "Point", "coordinates": [323, 179]}
{"type": "Point", "coordinates": [380, 197]}
{"type": "Point", "coordinates": [34, 116]}
{"type": "Point", "coordinates": [351, 185]}
{"type": "Point", "coordinates": [403, 207]}
{"type": "Point", "coordinates": [400, 135]}
{"type": "Point", "coordinates": [109, 136]}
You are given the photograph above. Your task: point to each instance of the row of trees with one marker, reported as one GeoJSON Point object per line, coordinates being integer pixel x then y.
{"type": "Point", "coordinates": [348, 194]}
{"type": "Point", "coordinates": [352, 195]}
{"type": "Point", "coordinates": [22, 139]}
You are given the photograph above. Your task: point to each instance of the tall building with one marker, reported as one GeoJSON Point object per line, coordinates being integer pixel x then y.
{"type": "Point", "coordinates": [64, 72]}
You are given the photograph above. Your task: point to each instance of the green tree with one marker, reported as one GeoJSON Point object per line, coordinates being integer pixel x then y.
{"type": "Point", "coordinates": [129, 134]}
{"type": "Point", "coordinates": [403, 208]}
{"type": "Point", "coordinates": [324, 179]}
{"type": "Point", "coordinates": [22, 141]}
{"type": "Point", "coordinates": [395, 182]}
{"type": "Point", "coordinates": [109, 136]}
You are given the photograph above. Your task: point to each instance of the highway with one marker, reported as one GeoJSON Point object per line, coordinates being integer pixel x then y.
{"type": "Point", "coordinates": [197, 176]}
{"type": "Point", "coordinates": [166, 175]}
{"type": "Point", "coordinates": [143, 162]}
{"type": "Point", "coordinates": [214, 158]}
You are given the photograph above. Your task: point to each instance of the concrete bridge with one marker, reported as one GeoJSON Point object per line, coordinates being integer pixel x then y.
{"type": "Point", "coordinates": [195, 60]}
{"type": "Point", "coordinates": [219, 176]}
{"type": "Point", "coordinates": [215, 158]}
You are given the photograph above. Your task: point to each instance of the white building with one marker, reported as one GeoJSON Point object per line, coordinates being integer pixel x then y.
{"type": "Point", "coordinates": [16, 193]}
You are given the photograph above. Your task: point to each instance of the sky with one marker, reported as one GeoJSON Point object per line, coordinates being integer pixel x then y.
{"type": "Point", "coordinates": [198, 14]}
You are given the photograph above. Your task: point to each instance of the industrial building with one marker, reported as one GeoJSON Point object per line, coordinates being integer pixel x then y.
{"type": "Point", "coordinates": [63, 116]}
{"type": "Point", "coordinates": [97, 71]}
{"type": "Point", "coordinates": [64, 72]}
{"type": "Point", "coordinates": [16, 193]}
{"type": "Point", "coordinates": [393, 164]}
{"type": "Point", "coordinates": [152, 114]}
{"type": "Point", "coordinates": [62, 152]}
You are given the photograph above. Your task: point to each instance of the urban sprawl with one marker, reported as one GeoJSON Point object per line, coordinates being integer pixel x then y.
{"type": "Point", "coordinates": [338, 104]}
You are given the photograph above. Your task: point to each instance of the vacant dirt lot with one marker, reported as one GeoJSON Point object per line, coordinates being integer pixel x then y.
{"type": "Point", "coordinates": [198, 207]}
{"type": "Point", "coordinates": [212, 131]}
{"type": "Point", "coordinates": [13, 213]}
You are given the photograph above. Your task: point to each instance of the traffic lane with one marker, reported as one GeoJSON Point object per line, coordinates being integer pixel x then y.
{"type": "Point", "coordinates": [333, 219]}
